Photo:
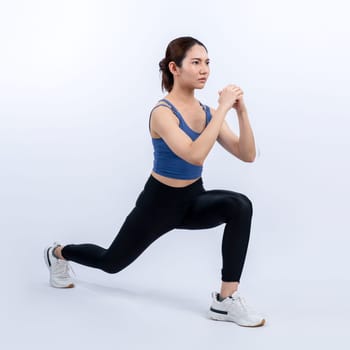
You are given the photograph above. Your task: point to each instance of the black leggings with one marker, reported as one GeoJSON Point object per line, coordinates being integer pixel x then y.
{"type": "Point", "coordinates": [161, 208]}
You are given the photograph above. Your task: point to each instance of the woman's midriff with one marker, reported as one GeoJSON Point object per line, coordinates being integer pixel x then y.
{"type": "Point", "coordinates": [173, 182]}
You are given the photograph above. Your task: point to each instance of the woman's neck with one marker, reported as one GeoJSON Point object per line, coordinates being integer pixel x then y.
{"type": "Point", "coordinates": [185, 96]}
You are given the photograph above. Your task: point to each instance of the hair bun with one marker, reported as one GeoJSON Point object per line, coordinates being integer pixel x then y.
{"type": "Point", "coordinates": [162, 65]}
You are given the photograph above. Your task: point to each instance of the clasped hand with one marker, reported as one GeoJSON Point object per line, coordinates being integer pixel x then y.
{"type": "Point", "coordinates": [231, 97]}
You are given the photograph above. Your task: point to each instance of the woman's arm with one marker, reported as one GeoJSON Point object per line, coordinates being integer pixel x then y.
{"type": "Point", "coordinates": [247, 148]}
{"type": "Point", "coordinates": [166, 126]}
{"type": "Point", "coordinates": [243, 147]}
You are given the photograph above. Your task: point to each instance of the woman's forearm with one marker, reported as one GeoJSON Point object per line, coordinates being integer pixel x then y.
{"type": "Point", "coordinates": [247, 148]}
{"type": "Point", "coordinates": [201, 147]}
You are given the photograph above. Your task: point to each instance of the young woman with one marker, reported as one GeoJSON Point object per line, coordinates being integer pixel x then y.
{"type": "Point", "coordinates": [183, 132]}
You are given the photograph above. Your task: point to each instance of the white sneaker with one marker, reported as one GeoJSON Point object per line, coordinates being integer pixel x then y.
{"type": "Point", "coordinates": [59, 269]}
{"type": "Point", "coordinates": [234, 309]}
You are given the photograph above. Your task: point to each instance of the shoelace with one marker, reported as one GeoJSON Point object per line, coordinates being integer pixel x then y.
{"type": "Point", "coordinates": [242, 303]}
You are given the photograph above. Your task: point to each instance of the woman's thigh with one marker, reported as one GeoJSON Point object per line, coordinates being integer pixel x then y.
{"type": "Point", "coordinates": [213, 208]}
{"type": "Point", "coordinates": [140, 229]}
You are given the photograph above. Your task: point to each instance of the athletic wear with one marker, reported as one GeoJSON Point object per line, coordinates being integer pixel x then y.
{"type": "Point", "coordinates": [161, 208]}
{"type": "Point", "coordinates": [166, 162]}
{"type": "Point", "coordinates": [235, 309]}
{"type": "Point", "coordinates": [59, 269]}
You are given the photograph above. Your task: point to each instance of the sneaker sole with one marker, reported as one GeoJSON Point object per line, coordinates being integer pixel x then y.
{"type": "Point", "coordinates": [48, 264]}
{"type": "Point", "coordinates": [218, 317]}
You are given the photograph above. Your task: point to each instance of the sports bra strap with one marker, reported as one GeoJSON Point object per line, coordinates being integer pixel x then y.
{"type": "Point", "coordinates": [158, 105]}
{"type": "Point", "coordinates": [171, 106]}
{"type": "Point", "coordinates": [165, 103]}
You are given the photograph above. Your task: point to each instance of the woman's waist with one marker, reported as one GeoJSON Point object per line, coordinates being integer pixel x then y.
{"type": "Point", "coordinates": [172, 182]}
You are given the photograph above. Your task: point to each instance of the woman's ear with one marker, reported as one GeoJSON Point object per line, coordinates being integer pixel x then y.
{"type": "Point", "coordinates": [174, 69]}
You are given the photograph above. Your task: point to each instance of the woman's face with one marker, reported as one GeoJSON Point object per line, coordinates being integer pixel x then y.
{"type": "Point", "coordinates": [194, 71]}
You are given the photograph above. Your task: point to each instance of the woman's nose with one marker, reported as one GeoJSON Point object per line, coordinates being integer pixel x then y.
{"type": "Point", "coordinates": [204, 70]}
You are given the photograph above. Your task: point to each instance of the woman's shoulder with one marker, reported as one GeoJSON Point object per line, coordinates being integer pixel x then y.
{"type": "Point", "coordinates": [161, 104]}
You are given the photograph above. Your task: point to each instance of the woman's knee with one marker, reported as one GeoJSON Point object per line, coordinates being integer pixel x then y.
{"type": "Point", "coordinates": [239, 205]}
{"type": "Point", "coordinates": [111, 265]}
{"type": "Point", "coordinates": [247, 204]}
{"type": "Point", "coordinates": [111, 269]}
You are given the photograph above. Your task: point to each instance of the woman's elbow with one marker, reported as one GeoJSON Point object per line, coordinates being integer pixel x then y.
{"type": "Point", "coordinates": [196, 161]}
{"type": "Point", "coordinates": [250, 158]}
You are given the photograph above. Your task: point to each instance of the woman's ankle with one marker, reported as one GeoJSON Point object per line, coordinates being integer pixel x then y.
{"type": "Point", "coordinates": [57, 252]}
{"type": "Point", "coordinates": [228, 288]}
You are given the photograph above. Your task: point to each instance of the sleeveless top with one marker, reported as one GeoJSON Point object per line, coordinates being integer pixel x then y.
{"type": "Point", "coordinates": [166, 162]}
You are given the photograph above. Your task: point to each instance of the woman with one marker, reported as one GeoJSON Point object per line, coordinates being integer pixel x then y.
{"type": "Point", "coordinates": [183, 132]}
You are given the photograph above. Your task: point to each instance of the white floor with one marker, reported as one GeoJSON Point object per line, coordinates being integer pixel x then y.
{"type": "Point", "coordinates": [164, 308]}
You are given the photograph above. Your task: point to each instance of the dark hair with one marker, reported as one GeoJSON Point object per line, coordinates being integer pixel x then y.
{"type": "Point", "coordinates": [176, 52]}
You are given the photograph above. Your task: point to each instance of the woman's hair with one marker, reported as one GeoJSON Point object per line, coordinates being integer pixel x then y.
{"type": "Point", "coordinates": [176, 52]}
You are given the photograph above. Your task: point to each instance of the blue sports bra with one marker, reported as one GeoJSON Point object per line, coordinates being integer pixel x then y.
{"type": "Point", "coordinates": [166, 162]}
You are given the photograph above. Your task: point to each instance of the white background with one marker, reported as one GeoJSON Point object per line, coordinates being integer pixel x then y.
{"type": "Point", "coordinates": [77, 82]}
